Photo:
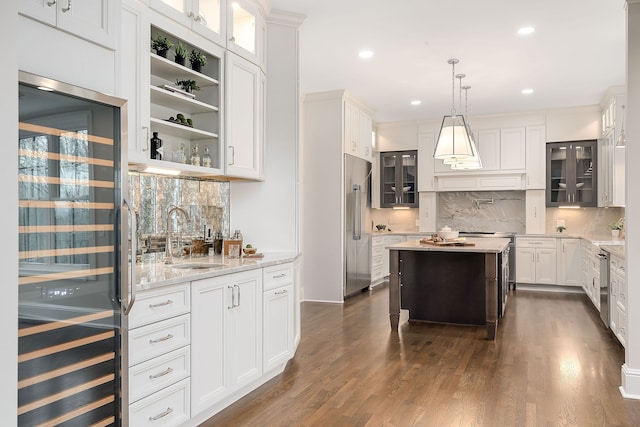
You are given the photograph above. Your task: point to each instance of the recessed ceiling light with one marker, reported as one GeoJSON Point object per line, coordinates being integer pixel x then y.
{"type": "Point", "coordinates": [526, 30]}
{"type": "Point", "coordinates": [416, 102]}
{"type": "Point", "coordinates": [365, 54]}
{"type": "Point", "coordinates": [527, 91]}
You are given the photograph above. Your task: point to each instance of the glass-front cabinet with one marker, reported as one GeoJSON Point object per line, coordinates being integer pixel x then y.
{"type": "Point", "coordinates": [399, 179]}
{"type": "Point", "coordinates": [572, 173]}
{"type": "Point", "coordinates": [205, 17]}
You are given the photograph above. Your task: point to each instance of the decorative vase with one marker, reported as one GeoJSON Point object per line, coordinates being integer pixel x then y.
{"type": "Point", "coordinates": [615, 233]}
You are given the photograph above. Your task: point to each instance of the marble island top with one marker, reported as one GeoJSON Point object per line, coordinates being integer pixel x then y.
{"type": "Point", "coordinates": [480, 245]}
{"type": "Point", "coordinates": [153, 272]}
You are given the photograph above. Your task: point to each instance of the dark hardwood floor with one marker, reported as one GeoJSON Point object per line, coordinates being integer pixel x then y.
{"type": "Point", "coordinates": [553, 364]}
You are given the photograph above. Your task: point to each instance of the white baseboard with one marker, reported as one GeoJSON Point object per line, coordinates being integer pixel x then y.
{"type": "Point", "coordinates": [630, 388]}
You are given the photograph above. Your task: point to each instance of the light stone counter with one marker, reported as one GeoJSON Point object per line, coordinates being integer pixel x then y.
{"type": "Point", "coordinates": [481, 245]}
{"type": "Point", "coordinates": [153, 273]}
{"type": "Point", "coordinates": [617, 250]}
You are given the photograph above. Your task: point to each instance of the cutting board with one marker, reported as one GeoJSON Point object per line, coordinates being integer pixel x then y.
{"type": "Point", "coordinates": [447, 243]}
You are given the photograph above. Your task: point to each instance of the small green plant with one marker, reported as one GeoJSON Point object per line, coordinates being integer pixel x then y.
{"type": "Point", "coordinates": [188, 85]}
{"type": "Point", "coordinates": [181, 53]}
{"type": "Point", "coordinates": [197, 59]}
{"type": "Point", "coordinates": [560, 228]}
{"type": "Point", "coordinates": [618, 225]}
{"type": "Point", "coordinates": [161, 45]}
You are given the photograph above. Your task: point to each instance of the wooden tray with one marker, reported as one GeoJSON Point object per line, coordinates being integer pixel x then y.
{"type": "Point", "coordinates": [447, 243]}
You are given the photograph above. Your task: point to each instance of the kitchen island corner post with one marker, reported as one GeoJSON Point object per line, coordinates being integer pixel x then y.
{"type": "Point", "coordinates": [491, 271]}
{"type": "Point", "coordinates": [394, 289]}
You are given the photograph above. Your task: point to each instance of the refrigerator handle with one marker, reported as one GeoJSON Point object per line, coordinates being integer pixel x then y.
{"type": "Point", "coordinates": [128, 275]}
{"type": "Point", "coordinates": [357, 213]}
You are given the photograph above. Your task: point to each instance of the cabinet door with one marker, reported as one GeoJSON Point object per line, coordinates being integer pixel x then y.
{"type": "Point", "coordinates": [570, 262]}
{"type": "Point", "coordinates": [572, 169]}
{"type": "Point", "coordinates": [525, 265]}
{"type": "Point", "coordinates": [399, 179]}
{"type": "Point", "coordinates": [94, 20]}
{"type": "Point", "coordinates": [134, 53]}
{"type": "Point", "coordinates": [365, 136]}
{"type": "Point", "coordinates": [245, 329]}
{"type": "Point", "coordinates": [278, 326]}
{"type": "Point", "coordinates": [244, 125]}
{"type": "Point", "coordinates": [546, 266]}
{"type": "Point", "coordinates": [535, 211]}
{"type": "Point", "coordinates": [181, 11]}
{"type": "Point", "coordinates": [427, 211]}
{"type": "Point", "coordinates": [211, 300]}
{"type": "Point", "coordinates": [512, 149]}
{"type": "Point", "coordinates": [535, 158]}
{"type": "Point", "coordinates": [351, 129]}
{"type": "Point", "coordinates": [488, 142]}
{"type": "Point", "coordinates": [426, 163]}
{"type": "Point", "coordinates": [209, 19]}
{"type": "Point", "coordinates": [42, 10]}
{"type": "Point", "coordinates": [244, 30]}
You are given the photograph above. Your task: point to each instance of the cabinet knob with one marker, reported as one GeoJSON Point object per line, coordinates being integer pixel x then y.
{"type": "Point", "coordinates": [68, 8]}
{"type": "Point", "coordinates": [232, 39]}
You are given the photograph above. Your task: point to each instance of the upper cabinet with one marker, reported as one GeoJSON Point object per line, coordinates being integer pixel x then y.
{"type": "Point", "coordinates": [93, 20]}
{"type": "Point", "coordinates": [611, 158]}
{"type": "Point", "coordinates": [399, 179]}
{"type": "Point", "coordinates": [246, 31]}
{"type": "Point", "coordinates": [572, 173]}
{"type": "Point", "coordinates": [205, 17]}
{"type": "Point", "coordinates": [357, 129]}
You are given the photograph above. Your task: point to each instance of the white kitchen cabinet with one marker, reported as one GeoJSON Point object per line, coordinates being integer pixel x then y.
{"type": "Point", "coordinates": [426, 162]}
{"type": "Point", "coordinates": [167, 408]}
{"type": "Point", "coordinates": [357, 131]}
{"type": "Point", "coordinates": [245, 94]}
{"type": "Point", "coordinates": [278, 306]}
{"type": "Point", "coordinates": [611, 159]}
{"type": "Point", "coordinates": [569, 262]}
{"type": "Point", "coordinates": [536, 260]}
{"type": "Point", "coordinates": [535, 158]}
{"type": "Point", "coordinates": [205, 17]}
{"type": "Point", "coordinates": [377, 259]}
{"type": "Point", "coordinates": [227, 336]}
{"type": "Point", "coordinates": [427, 211]}
{"type": "Point", "coordinates": [535, 211]}
{"type": "Point", "coordinates": [586, 266]}
{"type": "Point", "coordinates": [513, 149]}
{"type": "Point", "coordinates": [618, 301]}
{"type": "Point", "coordinates": [246, 31]}
{"type": "Point", "coordinates": [92, 20]}
{"type": "Point", "coordinates": [135, 73]}
{"type": "Point", "coordinates": [488, 142]}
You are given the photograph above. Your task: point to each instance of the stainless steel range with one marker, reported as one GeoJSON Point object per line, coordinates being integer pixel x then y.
{"type": "Point", "coordinates": [512, 248]}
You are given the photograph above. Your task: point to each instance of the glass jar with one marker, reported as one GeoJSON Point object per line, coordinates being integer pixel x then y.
{"type": "Point", "coordinates": [206, 157]}
{"type": "Point", "coordinates": [195, 156]}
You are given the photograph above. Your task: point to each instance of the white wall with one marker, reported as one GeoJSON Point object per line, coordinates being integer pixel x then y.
{"type": "Point", "coordinates": [574, 124]}
{"type": "Point", "coordinates": [9, 247]}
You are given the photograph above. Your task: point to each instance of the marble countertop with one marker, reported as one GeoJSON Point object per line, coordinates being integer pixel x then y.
{"type": "Point", "coordinates": [617, 250]}
{"type": "Point", "coordinates": [153, 273]}
{"type": "Point", "coordinates": [602, 239]}
{"type": "Point", "coordinates": [482, 245]}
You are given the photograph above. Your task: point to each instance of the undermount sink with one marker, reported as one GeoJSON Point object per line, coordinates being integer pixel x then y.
{"type": "Point", "coordinates": [196, 266]}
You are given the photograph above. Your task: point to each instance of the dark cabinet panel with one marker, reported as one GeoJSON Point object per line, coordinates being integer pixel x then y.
{"type": "Point", "coordinates": [572, 173]}
{"type": "Point", "coordinates": [399, 179]}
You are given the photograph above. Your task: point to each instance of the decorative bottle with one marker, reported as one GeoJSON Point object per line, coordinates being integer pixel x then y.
{"type": "Point", "coordinates": [206, 157]}
{"type": "Point", "coordinates": [182, 154]}
{"type": "Point", "coordinates": [156, 147]}
{"type": "Point", "coordinates": [217, 243]}
{"type": "Point", "coordinates": [195, 156]}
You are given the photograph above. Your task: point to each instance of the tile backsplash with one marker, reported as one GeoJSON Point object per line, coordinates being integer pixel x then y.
{"type": "Point", "coordinates": [206, 201]}
{"type": "Point", "coordinates": [482, 211]}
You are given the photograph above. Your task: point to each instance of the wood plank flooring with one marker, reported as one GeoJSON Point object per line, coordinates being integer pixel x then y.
{"type": "Point", "coordinates": [553, 364]}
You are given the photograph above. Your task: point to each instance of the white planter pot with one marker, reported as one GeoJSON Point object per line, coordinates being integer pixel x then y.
{"type": "Point", "coordinates": [615, 233]}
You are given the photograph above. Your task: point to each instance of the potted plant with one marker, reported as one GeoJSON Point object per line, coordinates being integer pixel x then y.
{"type": "Point", "coordinates": [197, 60]}
{"type": "Point", "coordinates": [181, 53]}
{"type": "Point", "coordinates": [161, 45]}
{"type": "Point", "coordinates": [560, 228]}
{"type": "Point", "coordinates": [616, 227]}
{"type": "Point", "coordinates": [188, 85]}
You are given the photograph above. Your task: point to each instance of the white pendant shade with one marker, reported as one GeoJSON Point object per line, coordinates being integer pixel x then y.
{"type": "Point", "coordinates": [453, 139]}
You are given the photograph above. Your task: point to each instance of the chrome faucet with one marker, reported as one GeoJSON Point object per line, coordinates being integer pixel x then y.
{"type": "Point", "coordinates": [168, 259]}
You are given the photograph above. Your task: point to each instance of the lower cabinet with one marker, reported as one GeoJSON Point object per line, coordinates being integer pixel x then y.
{"type": "Point", "coordinates": [278, 315]}
{"type": "Point", "coordinates": [536, 260]}
{"type": "Point", "coordinates": [569, 262]}
{"type": "Point", "coordinates": [618, 302]}
{"type": "Point", "coordinates": [380, 255]}
{"type": "Point", "coordinates": [226, 353]}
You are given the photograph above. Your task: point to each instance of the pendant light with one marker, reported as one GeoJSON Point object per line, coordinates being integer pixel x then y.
{"type": "Point", "coordinates": [622, 140]}
{"type": "Point", "coordinates": [453, 139]}
{"type": "Point", "coordinates": [473, 162]}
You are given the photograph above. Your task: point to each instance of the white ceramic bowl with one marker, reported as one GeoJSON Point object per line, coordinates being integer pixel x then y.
{"type": "Point", "coordinates": [448, 234]}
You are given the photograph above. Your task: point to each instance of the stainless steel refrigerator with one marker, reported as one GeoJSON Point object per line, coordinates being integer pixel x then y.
{"type": "Point", "coordinates": [357, 225]}
{"type": "Point", "coordinates": [73, 255]}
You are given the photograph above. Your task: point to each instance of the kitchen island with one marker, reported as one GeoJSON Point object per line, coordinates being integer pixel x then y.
{"type": "Point", "coordinates": [449, 284]}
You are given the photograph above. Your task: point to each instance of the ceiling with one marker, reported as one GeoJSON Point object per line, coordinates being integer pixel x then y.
{"type": "Point", "coordinates": [576, 52]}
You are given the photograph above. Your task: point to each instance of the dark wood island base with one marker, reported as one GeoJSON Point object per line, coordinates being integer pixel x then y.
{"type": "Point", "coordinates": [454, 285]}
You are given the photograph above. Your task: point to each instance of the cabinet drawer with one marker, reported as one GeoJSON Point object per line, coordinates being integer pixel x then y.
{"type": "Point", "coordinates": [377, 241]}
{"type": "Point", "coordinates": [377, 272]}
{"type": "Point", "coordinates": [158, 338]}
{"type": "Point", "coordinates": [167, 408]}
{"type": "Point", "coordinates": [159, 304]}
{"type": "Point", "coordinates": [621, 334]}
{"type": "Point", "coordinates": [377, 261]}
{"type": "Point", "coordinates": [377, 251]}
{"type": "Point", "coordinates": [277, 276]}
{"type": "Point", "coordinates": [158, 373]}
{"type": "Point", "coordinates": [524, 242]}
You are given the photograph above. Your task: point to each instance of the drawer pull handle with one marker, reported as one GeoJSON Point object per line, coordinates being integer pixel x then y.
{"type": "Point", "coordinates": [280, 276]}
{"type": "Point", "coordinates": [161, 374]}
{"type": "Point", "coordinates": [157, 340]}
{"type": "Point", "coordinates": [161, 304]}
{"type": "Point", "coordinates": [161, 415]}
{"type": "Point", "coordinates": [51, 3]}
{"type": "Point", "coordinates": [281, 292]}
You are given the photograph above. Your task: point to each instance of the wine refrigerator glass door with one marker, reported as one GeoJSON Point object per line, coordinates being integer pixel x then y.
{"type": "Point", "coordinates": [69, 163]}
